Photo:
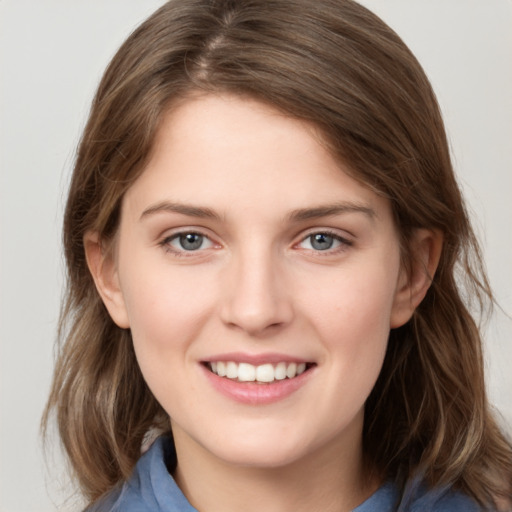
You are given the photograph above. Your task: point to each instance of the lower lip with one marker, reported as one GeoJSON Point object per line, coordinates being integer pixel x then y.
{"type": "Point", "coordinates": [254, 393]}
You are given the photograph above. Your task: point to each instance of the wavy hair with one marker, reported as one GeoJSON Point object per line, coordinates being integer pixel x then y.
{"type": "Point", "coordinates": [336, 65]}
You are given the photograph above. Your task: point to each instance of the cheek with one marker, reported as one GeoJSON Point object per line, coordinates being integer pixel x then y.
{"type": "Point", "coordinates": [167, 307]}
{"type": "Point", "coordinates": [165, 319]}
{"type": "Point", "coordinates": [355, 301]}
{"type": "Point", "coordinates": [353, 322]}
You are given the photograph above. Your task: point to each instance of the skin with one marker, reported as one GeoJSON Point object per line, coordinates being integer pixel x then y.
{"type": "Point", "coordinates": [258, 185]}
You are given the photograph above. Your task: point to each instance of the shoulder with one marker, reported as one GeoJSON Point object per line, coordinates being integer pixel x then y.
{"type": "Point", "coordinates": [449, 502]}
{"type": "Point", "coordinates": [151, 488]}
{"type": "Point", "coordinates": [437, 500]}
{"type": "Point", "coordinates": [417, 498]}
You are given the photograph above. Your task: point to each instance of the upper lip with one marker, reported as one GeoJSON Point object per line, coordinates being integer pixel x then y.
{"type": "Point", "coordinates": [256, 359]}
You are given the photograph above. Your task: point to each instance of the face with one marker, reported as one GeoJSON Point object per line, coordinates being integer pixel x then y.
{"type": "Point", "coordinates": [259, 282]}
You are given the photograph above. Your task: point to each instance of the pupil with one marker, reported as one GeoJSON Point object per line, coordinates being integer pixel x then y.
{"type": "Point", "coordinates": [191, 241]}
{"type": "Point", "coordinates": [321, 241]}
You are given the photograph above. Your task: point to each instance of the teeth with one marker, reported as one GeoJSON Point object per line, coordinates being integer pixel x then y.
{"type": "Point", "coordinates": [265, 373]}
{"type": "Point", "coordinates": [246, 372]}
{"type": "Point", "coordinates": [231, 370]}
{"type": "Point", "coordinates": [280, 371]}
{"type": "Point", "coordinates": [291, 370]}
{"type": "Point", "coordinates": [221, 369]}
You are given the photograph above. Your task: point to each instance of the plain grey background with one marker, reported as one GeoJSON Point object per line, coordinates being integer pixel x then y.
{"type": "Point", "coordinates": [52, 54]}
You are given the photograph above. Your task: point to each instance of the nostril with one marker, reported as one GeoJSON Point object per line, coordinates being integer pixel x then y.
{"type": "Point", "coordinates": [256, 322]}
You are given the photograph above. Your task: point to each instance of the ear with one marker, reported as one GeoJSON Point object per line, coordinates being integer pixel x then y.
{"type": "Point", "coordinates": [102, 266]}
{"type": "Point", "coordinates": [413, 283]}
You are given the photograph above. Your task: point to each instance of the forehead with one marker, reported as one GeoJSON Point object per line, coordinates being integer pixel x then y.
{"type": "Point", "coordinates": [232, 153]}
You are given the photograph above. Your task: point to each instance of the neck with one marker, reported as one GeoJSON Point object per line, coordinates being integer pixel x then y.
{"type": "Point", "coordinates": [319, 481]}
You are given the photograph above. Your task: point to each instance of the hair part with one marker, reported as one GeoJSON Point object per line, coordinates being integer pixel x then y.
{"type": "Point", "coordinates": [336, 65]}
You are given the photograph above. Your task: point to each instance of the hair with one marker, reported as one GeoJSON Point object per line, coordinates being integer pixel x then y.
{"type": "Point", "coordinates": [336, 65]}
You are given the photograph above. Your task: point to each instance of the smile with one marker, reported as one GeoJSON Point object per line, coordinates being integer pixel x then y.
{"type": "Point", "coordinates": [264, 373]}
{"type": "Point", "coordinates": [257, 379]}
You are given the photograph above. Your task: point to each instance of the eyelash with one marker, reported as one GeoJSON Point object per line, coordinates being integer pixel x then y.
{"type": "Point", "coordinates": [166, 243]}
{"type": "Point", "coordinates": [344, 243]}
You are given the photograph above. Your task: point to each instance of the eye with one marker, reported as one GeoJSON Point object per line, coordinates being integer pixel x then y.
{"type": "Point", "coordinates": [188, 242]}
{"type": "Point", "coordinates": [323, 241]}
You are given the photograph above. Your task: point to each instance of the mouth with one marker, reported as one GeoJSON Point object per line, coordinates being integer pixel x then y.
{"type": "Point", "coordinates": [262, 374]}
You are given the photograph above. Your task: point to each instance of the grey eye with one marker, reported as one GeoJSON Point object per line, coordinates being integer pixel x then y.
{"type": "Point", "coordinates": [321, 241]}
{"type": "Point", "coordinates": [189, 242]}
{"type": "Point", "coordinates": [324, 241]}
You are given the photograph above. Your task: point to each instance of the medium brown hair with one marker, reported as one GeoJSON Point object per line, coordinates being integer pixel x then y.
{"type": "Point", "coordinates": [336, 65]}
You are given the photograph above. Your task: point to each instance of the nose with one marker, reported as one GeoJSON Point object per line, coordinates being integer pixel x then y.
{"type": "Point", "coordinates": [256, 297]}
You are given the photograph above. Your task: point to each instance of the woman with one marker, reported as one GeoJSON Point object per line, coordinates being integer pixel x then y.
{"type": "Point", "coordinates": [263, 200]}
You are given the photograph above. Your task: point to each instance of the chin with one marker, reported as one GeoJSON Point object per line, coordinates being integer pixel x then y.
{"type": "Point", "coordinates": [259, 457]}
{"type": "Point", "coordinates": [266, 448]}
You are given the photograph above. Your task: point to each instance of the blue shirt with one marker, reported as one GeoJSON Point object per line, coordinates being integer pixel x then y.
{"type": "Point", "coordinates": [151, 488]}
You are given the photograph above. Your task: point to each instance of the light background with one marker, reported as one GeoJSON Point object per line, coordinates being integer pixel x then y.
{"type": "Point", "coordinates": [52, 54]}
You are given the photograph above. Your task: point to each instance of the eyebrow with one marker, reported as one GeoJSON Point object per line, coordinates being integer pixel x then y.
{"type": "Point", "coordinates": [183, 209]}
{"type": "Point", "coordinates": [298, 215]}
{"type": "Point", "coordinates": [331, 210]}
